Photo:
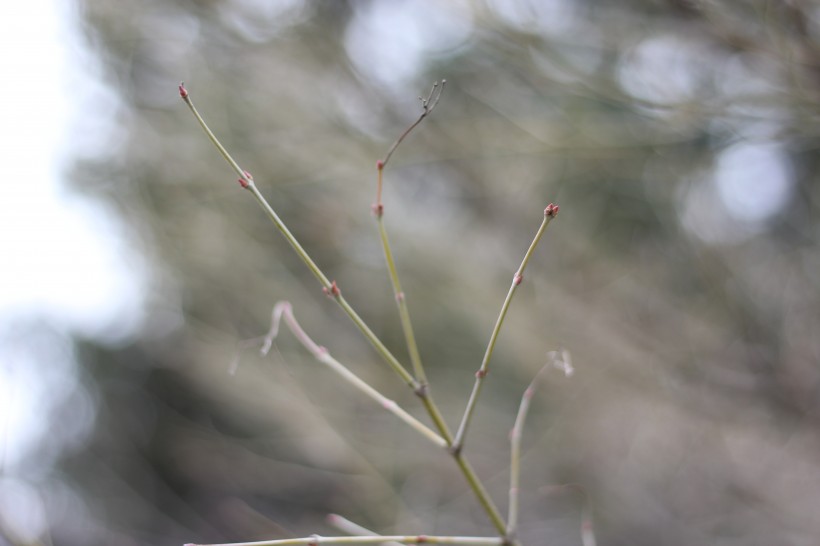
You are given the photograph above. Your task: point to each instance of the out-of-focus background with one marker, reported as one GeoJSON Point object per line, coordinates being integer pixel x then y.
{"type": "Point", "coordinates": [683, 272]}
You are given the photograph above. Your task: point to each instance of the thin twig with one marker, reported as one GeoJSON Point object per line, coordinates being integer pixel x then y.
{"type": "Point", "coordinates": [283, 309]}
{"type": "Point", "coordinates": [515, 459]}
{"type": "Point", "coordinates": [403, 539]}
{"type": "Point", "coordinates": [557, 359]}
{"type": "Point", "coordinates": [428, 104]}
{"type": "Point", "coordinates": [346, 526]}
{"type": "Point", "coordinates": [330, 288]}
{"type": "Point", "coordinates": [424, 392]}
{"type": "Point", "coordinates": [401, 302]}
{"type": "Point", "coordinates": [458, 444]}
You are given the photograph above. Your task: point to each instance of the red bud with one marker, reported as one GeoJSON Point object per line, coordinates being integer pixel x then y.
{"type": "Point", "coordinates": [333, 291]}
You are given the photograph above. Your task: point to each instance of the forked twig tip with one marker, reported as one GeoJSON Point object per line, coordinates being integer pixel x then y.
{"type": "Point", "coordinates": [562, 360]}
{"type": "Point", "coordinates": [276, 316]}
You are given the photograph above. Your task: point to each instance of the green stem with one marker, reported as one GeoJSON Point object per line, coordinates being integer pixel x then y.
{"type": "Point", "coordinates": [424, 393]}
{"type": "Point", "coordinates": [458, 444]}
{"type": "Point", "coordinates": [481, 494]}
{"type": "Point", "coordinates": [404, 313]}
{"type": "Point", "coordinates": [428, 104]}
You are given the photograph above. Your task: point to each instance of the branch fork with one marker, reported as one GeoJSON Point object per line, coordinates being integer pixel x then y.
{"type": "Point", "coordinates": [417, 381]}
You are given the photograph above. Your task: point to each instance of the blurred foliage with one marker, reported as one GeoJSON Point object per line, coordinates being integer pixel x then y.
{"type": "Point", "coordinates": [679, 138]}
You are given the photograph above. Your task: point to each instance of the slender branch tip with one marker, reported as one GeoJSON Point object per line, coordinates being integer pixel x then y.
{"type": "Point", "coordinates": [427, 105]}
{"type": "Point", "coordinates": [183, 93]}
{"type": "Point", "coordinates": [549, 213]}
